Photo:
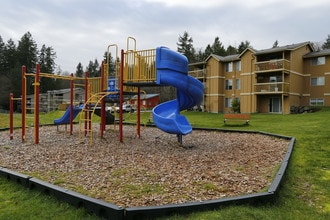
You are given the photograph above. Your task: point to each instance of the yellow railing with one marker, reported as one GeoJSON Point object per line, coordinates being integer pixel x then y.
{"type": "Point", "coordinates": [140, 66]}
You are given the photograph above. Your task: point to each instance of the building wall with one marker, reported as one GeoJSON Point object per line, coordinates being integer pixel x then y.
{"type": "Point", "coordinates": [148, 103]}
{"type": "Point", "coordinates": [297, 78]}
{"type": "Point", "coordinates": [247, 76]}
{"type": "Point", "coordinates": [214, 86]}
{"type": "Point", "coordinates": [295, 90]}
{"type": "Point", "coordinates": [313, 71]}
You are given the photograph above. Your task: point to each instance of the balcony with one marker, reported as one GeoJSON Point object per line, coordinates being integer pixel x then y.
{"type": "Point", "coordinates": [272, 65]}
{"type": "Point", "coordinates": [271, 88]}
{"type": "Point", "coordinates": [198, 74]}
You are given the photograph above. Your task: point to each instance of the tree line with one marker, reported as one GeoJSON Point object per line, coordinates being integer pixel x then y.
{"type": "Point", "coordinates": [26, 52]}
{"type": "Point", "coordinates": [186, 47]}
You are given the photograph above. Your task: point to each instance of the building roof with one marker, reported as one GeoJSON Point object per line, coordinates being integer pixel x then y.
{"type": "Point", "coordinates": [224, 59]}
{"type": "Point", "coordinates": [230, 58]}
{"type": "Point", "coordinates": [234, 57]}
{"type": "Point", "coordinates": [217, 57]}
{"type": "Point", "coordinates": [319, 53]}
{"type": "Point", "coordinates": [62, 91]}
{"type": "Point", "coordinates": [246, 49]}
{"type": "Point", "coordinates": [282, 48]}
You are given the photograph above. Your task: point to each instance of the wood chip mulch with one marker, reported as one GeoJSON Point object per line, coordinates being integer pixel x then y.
{"type": "Point", "coordinates": [147, 171]}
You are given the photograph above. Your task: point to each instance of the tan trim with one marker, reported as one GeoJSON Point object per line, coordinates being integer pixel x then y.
{"type": "Point", "coordinates": [246, 74]}
{"type": "Point", "coordinates": [326, 94]}
{"type": "Point", "coordinates": [215, 77]}
{"type": "Point", "coordinates": [215, 95]}
{"type": "Point", "coordinates": [294, 93]}
{"type": "Point", "coordinates": [327, 73]}
{"type": "Point", "coordinates": [306, 95]}
{"type": "Point", "coordinates": [299, 74]}
{"type": "Point", "coordinates": [247, 93]}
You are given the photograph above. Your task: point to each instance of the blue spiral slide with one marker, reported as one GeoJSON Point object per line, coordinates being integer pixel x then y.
{"type": "Point", "coordinates": [172, 70]}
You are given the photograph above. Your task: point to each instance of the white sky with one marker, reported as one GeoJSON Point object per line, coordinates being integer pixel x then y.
{"type": "Point", "coordinates": [81, 30]}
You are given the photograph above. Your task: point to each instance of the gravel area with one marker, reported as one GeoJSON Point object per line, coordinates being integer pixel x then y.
{"type": "Point", "coordinates": [151, 170]}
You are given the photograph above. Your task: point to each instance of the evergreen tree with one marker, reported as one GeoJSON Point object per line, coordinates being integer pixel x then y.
{"type": "Point", "coordinates": [27, 52]}
{"type": "Point", "coordinates": [231, 50]}
{"type": "Point", "coordinates": [112, 64]}
{"type": "Point", "coordinates": [79, 70]}
{"type": "Point", "coordinates": [2, 56]}
{"type": "Point", "coordinates": [93, 69]}
{"type": "Point", "coordinates": [12, 68]}
{"type": "Point", "coordinates": [208, 50]}
{"type": "Point", "coordinates": [10, 56]}
{"type": "Point", "coordinates": [47, 65]}
{"type": "Point", "coordinates": [185, 47]}
{"type": "Point", "coordinates": [326, 44]}
{"type": "Point", "coordinates": [243, 46]}
{"type": "Point", "coordinates": [200, 55]}
{"type": "Point", "coordinates": [275, 44]}
{"type": "Point", "coordinates": [217, 47]}
{"type": "Point", "coordinates": [47, 59]}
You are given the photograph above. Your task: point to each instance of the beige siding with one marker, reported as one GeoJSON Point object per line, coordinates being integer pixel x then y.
{"type": "Point", "coordinates": [295, 75]}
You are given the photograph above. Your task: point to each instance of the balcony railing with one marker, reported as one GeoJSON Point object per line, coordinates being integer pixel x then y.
{"type": "Point", "coordinates": [272, 65]}
{"type": "Point", "coordinates": [197, 73]}
{"type": "Point", "coordinates": [277, 87]}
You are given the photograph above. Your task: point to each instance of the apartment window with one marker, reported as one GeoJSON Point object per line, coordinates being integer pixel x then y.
{"type": "Point", "coordinates": [238, 65]}
{"type": "Point", "coordinates": [316, 102]}
{"type": "Point", "coordinates": [229, 67]}
{"type": "Point", "coordinates": [227, 102]}
{"type": "Point", "coordinates": [238, 84]}
{"type": "Point", "coordinates": [229, 84]}
{"type": "Point", "coordinates": [318, 61]}
{"type": "Point", "coordinates": [317, 81]}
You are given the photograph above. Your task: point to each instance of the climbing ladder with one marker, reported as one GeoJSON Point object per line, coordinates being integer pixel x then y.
{"type": "Point", "coordinates": [88, 110]}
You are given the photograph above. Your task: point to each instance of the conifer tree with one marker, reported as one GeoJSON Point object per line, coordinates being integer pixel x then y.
{"type": "Point", "coordinates": [231, 50]}
{"type": "Point", "coordinates": [326, 44]}
{"type": "Point", "coordinates": [243, 46]}
{"type": "Point", "coordinates": [217, 47]}
{"type": "Point", "coordinates": [185, 47]}
{"type": "Point", "coordinates": [27, 52]}
{"type": "Point", "coordinates": [79, 70]}
{"type": "Point", "coordinates": [47, 65]}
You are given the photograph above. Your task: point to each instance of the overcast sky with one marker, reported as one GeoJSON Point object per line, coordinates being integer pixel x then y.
{"type": "Point", "coordinates": [81, 30]}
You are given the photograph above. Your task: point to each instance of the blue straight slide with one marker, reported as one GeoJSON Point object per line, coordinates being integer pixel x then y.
{"type": "Point", "coordinates": [172, 70]}
{"type": "Point", "coordinates": [65, 119]}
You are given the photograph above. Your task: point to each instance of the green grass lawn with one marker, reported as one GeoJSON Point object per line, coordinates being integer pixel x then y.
{"type": "Point", "coordinates": [304, 194]}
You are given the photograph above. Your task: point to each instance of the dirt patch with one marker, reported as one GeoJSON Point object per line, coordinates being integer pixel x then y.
{"type": "Point", "coordinates": [151, 170]}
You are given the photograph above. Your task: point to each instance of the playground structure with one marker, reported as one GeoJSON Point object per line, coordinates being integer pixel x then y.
{"type": "Point", "coordinates": [136, 69]}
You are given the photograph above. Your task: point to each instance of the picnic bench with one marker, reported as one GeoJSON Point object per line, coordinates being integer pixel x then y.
{"type": "Point", "coordinates": [237, 117]}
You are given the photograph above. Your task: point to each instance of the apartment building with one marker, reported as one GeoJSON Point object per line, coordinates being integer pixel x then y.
{"type": "Point", "coordinates": [266, 81]}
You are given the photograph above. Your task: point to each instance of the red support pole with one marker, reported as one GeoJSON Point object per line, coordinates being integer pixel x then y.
{"type": "Point", "coordinates": [11, 116]}
{"type": "Point", "coordinates": [121, 95]}
{"type": "Point", "coordinates": [36, 104]}
{"type": "Point", "coordinates": [138, 115]}
{"type": "Point", "coordinates": [23, 103]}
{"type": "Point", "coordinates": [71, 104]}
